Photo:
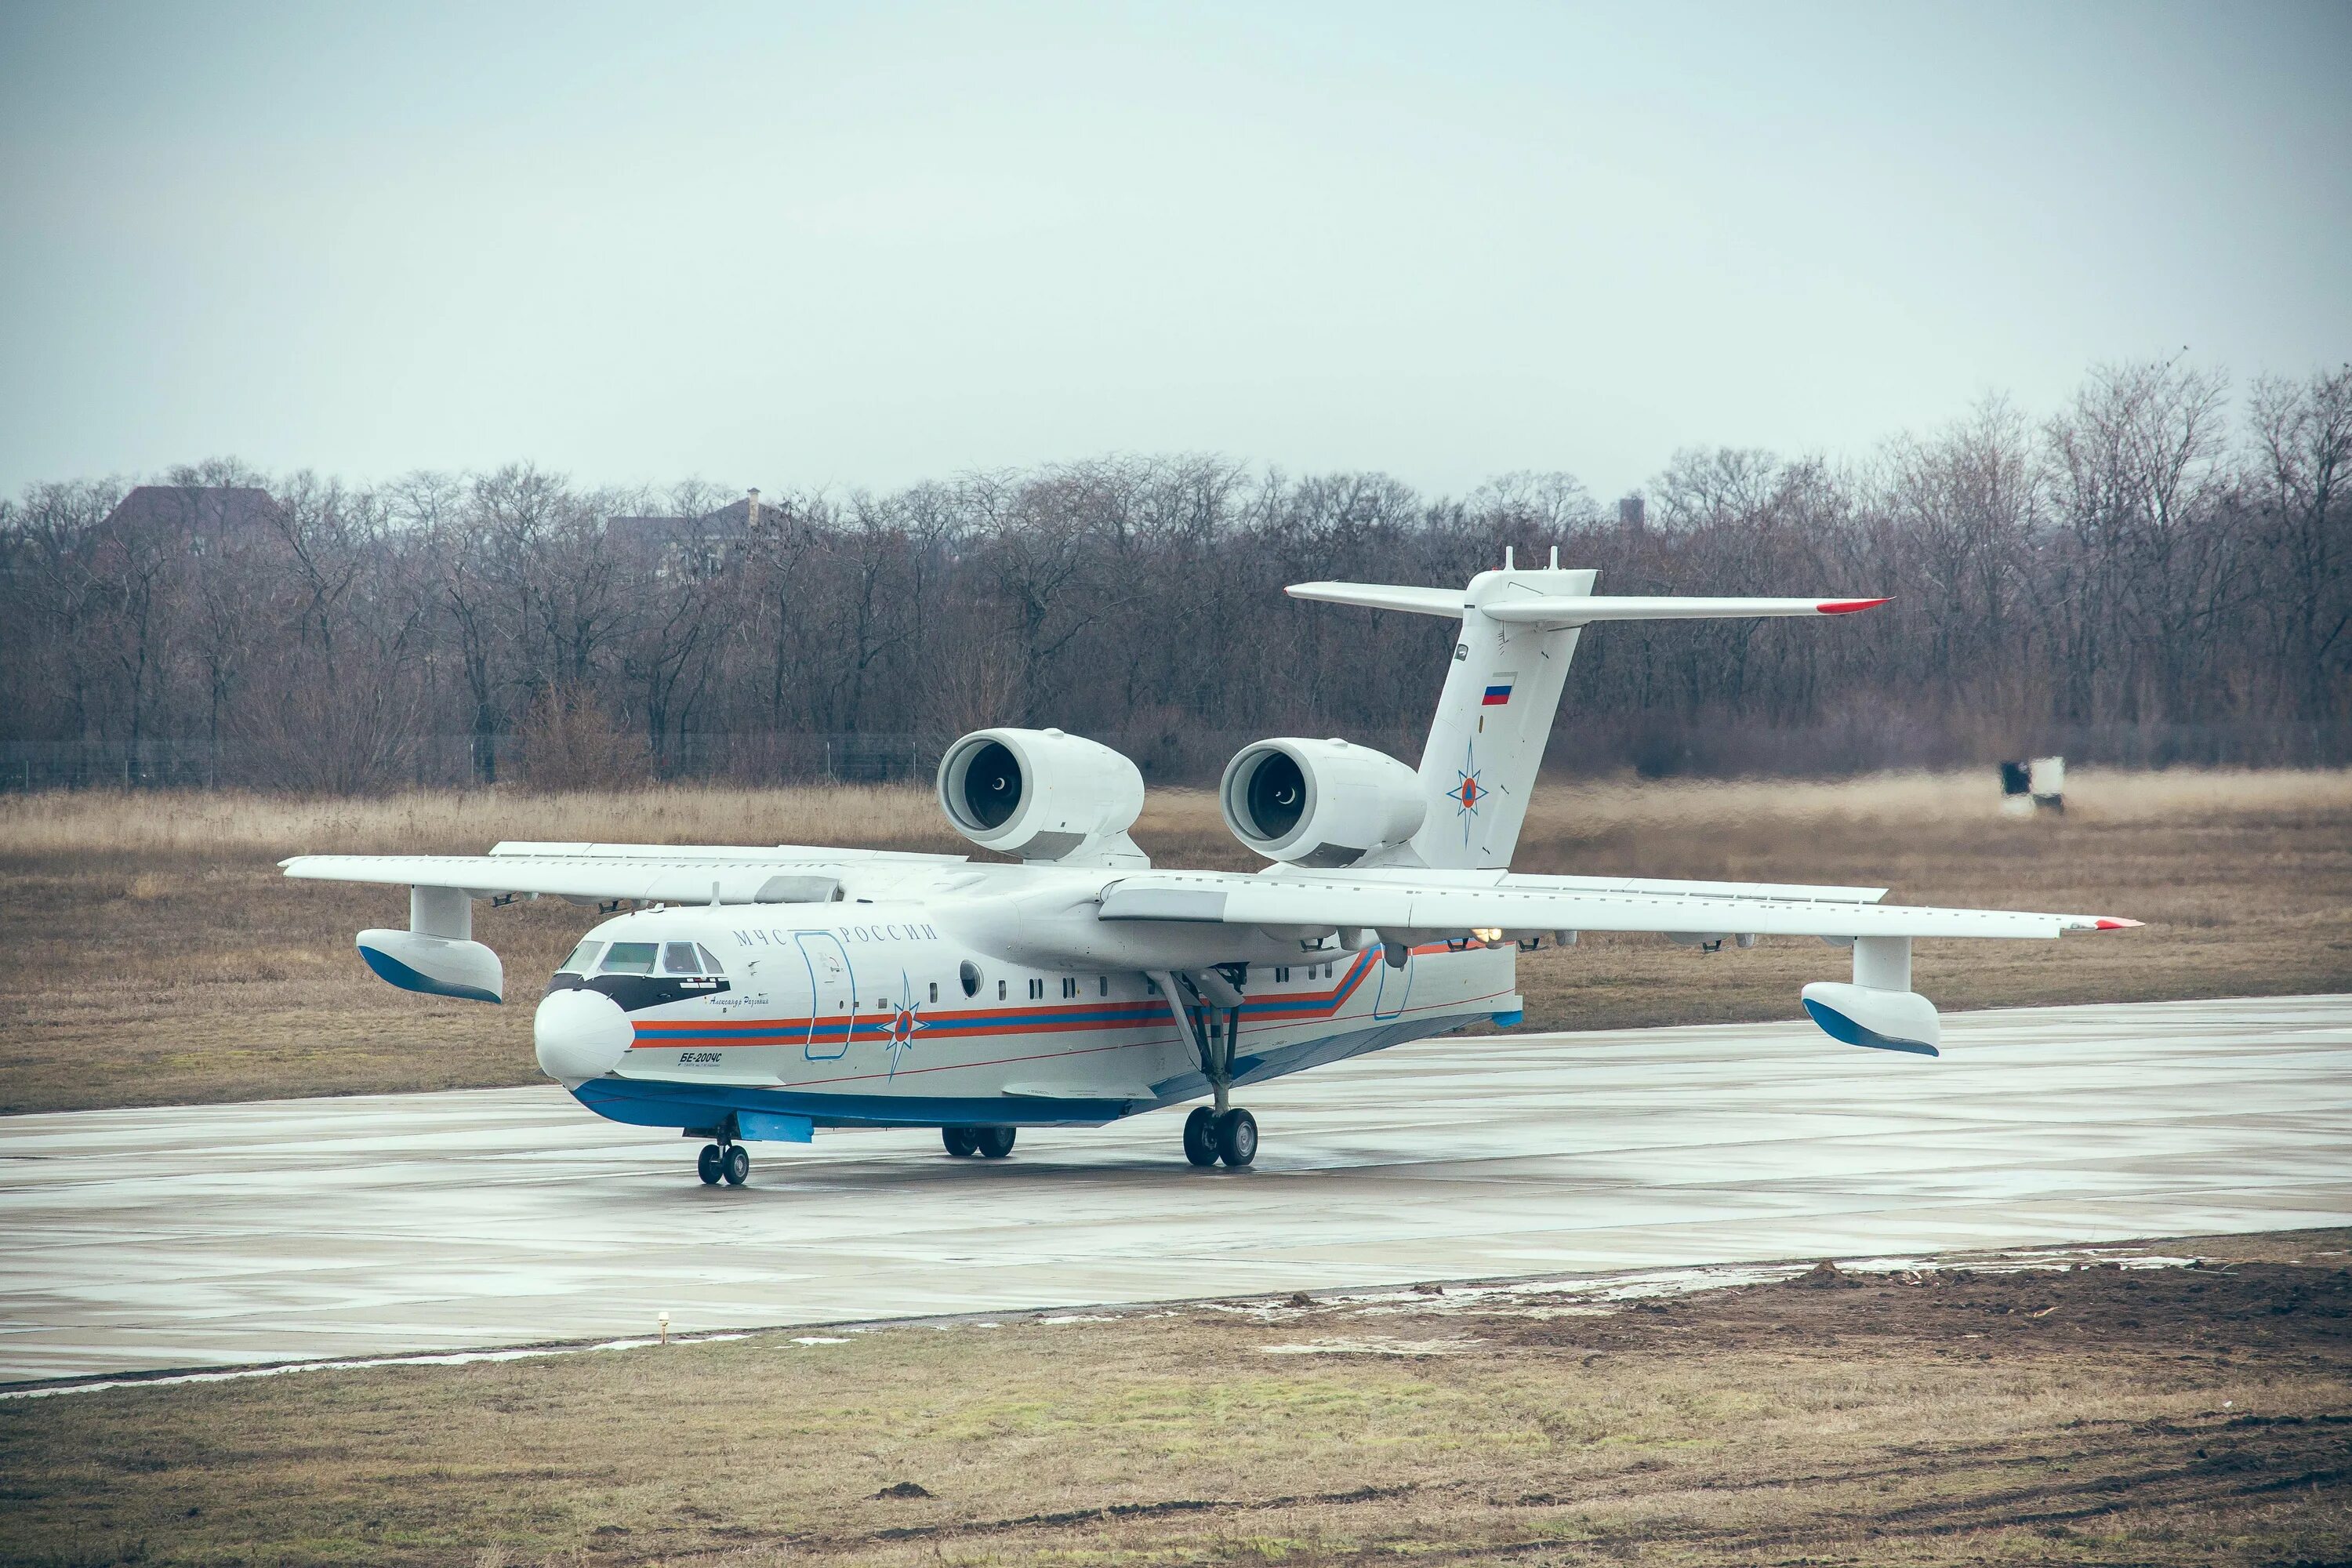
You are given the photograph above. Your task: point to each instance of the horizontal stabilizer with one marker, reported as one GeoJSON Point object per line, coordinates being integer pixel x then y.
{"type": "Point", "coordinates": [1568, 609]}
{"type": "Point", "coordinates": [1572, 610]}
{"type": "Point", "coordinates": [1383, 596]}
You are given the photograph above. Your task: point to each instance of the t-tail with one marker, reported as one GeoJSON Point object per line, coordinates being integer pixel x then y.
{"type": "Point", "coordinates": [1519, 630]}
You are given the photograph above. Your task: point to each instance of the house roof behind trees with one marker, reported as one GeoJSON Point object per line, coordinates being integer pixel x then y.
{"type": "Point", "coordinates": [193, 510]}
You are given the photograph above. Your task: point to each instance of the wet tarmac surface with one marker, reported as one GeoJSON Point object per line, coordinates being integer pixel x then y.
{"type": "Point", "coordinates": [214, 1235]}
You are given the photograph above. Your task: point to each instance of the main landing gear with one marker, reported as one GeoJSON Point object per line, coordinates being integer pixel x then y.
{"type": "Point", "coordinates": [1211, 1135]}
{"type": "Point", "coordinates": [728, 1162]}
{"type": "Point", "coordinates": [1220, 1129]}
{"type": "Point", "coordinates": [987, 1142]}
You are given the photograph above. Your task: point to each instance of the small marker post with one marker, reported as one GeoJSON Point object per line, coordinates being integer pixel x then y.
{"type": "Point", "coordinates": [664, 1328]}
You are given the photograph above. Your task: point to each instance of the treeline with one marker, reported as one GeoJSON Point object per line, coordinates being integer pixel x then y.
{"type": "Point", "coordinates": [2160, 571]}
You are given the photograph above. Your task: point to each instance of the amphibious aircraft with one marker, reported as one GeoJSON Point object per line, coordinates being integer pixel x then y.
{"type": "Point", "coordinates": [749, 993]}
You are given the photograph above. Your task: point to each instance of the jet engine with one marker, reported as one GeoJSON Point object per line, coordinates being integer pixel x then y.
{"type": "Point", "coordinates": [1042, 795]}
{"type": "Point", "coordinates": [1320, 803]}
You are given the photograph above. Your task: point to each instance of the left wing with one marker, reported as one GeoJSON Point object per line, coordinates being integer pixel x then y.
{"type": "Point", "coordinates": [1397, 908]}
{"type": "Point", "coordinates": [1421, 901]}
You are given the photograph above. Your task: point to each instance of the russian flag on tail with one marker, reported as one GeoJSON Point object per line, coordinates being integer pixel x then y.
{"type": "Point", "coordinates": [1499, 692]}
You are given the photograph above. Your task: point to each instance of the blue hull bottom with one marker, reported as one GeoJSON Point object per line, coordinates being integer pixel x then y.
{"type": "Point", "coordinates": [709, 1107]}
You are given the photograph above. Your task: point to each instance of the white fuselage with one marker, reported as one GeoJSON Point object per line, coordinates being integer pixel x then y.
{"type": "Point", "coordinates": [929, 997]}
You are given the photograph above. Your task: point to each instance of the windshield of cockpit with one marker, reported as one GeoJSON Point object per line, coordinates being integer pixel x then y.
{"type": "Point", "coordinates": [681, 958]}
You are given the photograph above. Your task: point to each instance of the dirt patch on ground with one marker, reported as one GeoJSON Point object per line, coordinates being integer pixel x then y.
{"type": "Point", "coordinates": [2116, 1412]}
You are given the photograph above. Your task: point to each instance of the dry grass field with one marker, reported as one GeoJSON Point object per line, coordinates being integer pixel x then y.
{"type": "Point", "coordinates": [149, 952]}
{"type": "Point", "coordinates": [2172, 1415]}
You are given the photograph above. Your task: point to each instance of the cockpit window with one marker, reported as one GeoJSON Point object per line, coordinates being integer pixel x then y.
{"type": "Point", "coordinates": [582, 959]}
{"type": "Point", "coordinates": [679, 958]}
{"type": "Point", "coordinates": [630, 958]}
{"type": "Point", "coordinates": [710, 966]}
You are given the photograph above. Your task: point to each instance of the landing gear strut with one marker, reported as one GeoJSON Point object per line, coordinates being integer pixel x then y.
{"type": "Point", "coordinates": [1220, 1129]}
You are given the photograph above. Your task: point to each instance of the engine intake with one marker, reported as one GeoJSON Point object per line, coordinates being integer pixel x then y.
{"type": "Point", "coordinates": [1042, 795]}
{"type": "Point", "coordinates": [1320, 803]}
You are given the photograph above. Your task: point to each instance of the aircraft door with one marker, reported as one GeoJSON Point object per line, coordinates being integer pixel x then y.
{"type": "Point", "coordinates": [834, 1010]}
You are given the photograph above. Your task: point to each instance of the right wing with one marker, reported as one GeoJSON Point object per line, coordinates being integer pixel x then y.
{"type": "Point", "coordinates": [600, 873]}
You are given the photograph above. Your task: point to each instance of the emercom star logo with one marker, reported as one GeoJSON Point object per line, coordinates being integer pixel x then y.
{"type": "Point", "coordinates": [1466, 793]}
{"type": "Point", "coordinates": [905, 1020]}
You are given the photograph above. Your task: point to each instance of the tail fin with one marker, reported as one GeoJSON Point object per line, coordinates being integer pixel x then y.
{"type": "Point", "coordinates": [1519, 630]}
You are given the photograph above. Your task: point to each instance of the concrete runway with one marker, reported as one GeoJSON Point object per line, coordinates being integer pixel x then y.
{"type": "Point", "coordinates": [211, 1235]}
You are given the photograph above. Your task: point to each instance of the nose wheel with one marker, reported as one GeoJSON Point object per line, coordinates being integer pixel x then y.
{"type": "Point", "coordinates": [730, 1163]}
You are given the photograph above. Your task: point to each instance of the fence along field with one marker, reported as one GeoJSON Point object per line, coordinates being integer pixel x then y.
{"type": "Point", "coordinates": [2159, 571]}
{"type": "Point", "coordinates": [154, 955]}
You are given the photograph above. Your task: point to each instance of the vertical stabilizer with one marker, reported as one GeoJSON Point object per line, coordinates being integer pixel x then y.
{"type": "Point", "coordinates": [1494, 720]}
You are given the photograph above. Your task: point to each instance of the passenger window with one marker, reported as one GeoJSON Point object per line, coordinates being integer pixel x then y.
{"type": "Point", "coordinates": [1070, 985]}
{"type": "Point", "coordinates": [630, 958]}
{"type": "Point", "coordinates": [1036, 989]}
{"type": "Point", "coordinates": [935, 990]}
{"type": "Point", "coordinates": [1102, 984]}
{"type": "Point", "coordinates": [679, 958]}
{"type": "Point", "coordinates": [710, 964]}
{"type": "Point", "coordinates": [999, 991]}
{"type": "Point", "coordinates": [1280, 974]}
{"type": "Point", "coordinates": [582, 959]}
{"type": "Point", "coordinates": [969, 974]}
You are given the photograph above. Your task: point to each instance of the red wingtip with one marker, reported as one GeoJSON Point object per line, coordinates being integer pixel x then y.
{"type": "Point", "coordinates": [2108, 924]}
{"type": "Point", "coordinates": [1847, 606]}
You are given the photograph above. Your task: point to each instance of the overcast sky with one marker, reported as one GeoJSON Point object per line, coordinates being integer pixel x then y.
{"type": "Point", "coordinates": [861, 244]}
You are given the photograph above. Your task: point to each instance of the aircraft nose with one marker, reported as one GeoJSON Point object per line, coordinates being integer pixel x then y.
{"type": "Point", "coordinates": [580, 1035]}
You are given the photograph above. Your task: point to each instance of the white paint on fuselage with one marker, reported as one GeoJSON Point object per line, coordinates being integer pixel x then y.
{"type": "Point", "coordinates": [864, 997]}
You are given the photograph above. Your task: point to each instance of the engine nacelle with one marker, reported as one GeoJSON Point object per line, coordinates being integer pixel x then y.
{"type": "Point", "coordinates": [1042, 795]}
{"type": "Point", "coordinates": [1320, 803]}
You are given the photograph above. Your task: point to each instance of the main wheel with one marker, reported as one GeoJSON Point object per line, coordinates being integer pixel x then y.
{"type": "Point", "coordinates": [706, 1163]}
{"type": "Point", "coordinates": [995, 1143]}
{"type": "Point", "coordinates": [738, 1164]}
{"type": "Point", "coordinates": [1201, 1135]}
{"type": "Point", "coordinates": [961, 1142]}
{"type": "Point", "coordinates": [1237, 1137]}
